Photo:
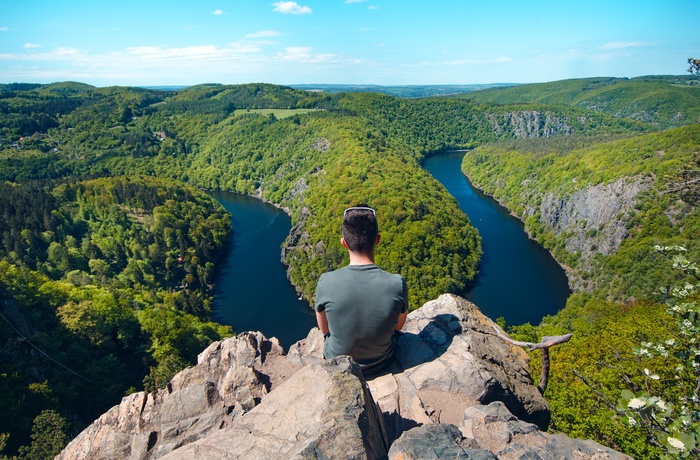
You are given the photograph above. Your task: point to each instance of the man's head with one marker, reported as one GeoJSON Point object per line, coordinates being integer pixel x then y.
{"type": "Point", "coordinates": [360, 229]}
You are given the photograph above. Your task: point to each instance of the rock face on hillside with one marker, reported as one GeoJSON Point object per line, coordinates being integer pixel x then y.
{"type": "Point", "coordinates": [452, 393]}
{"type": "Point", "coordinates": [529, 123]}
{"type": "Point", "coordinates": [593, 217]}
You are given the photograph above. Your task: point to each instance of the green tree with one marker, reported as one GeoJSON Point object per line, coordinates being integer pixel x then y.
{"type": "Point", "coordinates": [49, 436]}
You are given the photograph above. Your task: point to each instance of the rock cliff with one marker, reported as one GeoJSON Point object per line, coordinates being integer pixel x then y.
{"type": "Point", "coordinates": [592, 219]}
{"type": "Point", "coordinates": [455, 391]}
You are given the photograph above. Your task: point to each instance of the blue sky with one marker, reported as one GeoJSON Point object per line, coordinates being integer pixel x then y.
{"type": "Point", "coordinates": [386, 42]}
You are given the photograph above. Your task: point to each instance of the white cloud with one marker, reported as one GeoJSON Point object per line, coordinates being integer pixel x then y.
{"type": "Point", "coordinates": [218, 12]}
{"type": "Point", "coordinates": [291, 8]}
{"type": "Point", "coordinates": [240, 61]}
{"type": "Point", "coordinates": [304, 54]}
{"type": "Point", "coordinates": [242, 47]}
{"type": "Point", "coordinates": [264, 34]}
{"type": "Point", "coordinates": [56, 55]}
{"type": "Point", "coordinates": [62, 52]}
{"type": "Point", "coordinates": [621, 45]}
{"type": "Point", "coordinates": [372, 7]}
{"type": "Point", "coordinates": [4, 29]}
{"type": "Point", "coordinates": [31, 46]}
{"type": "Point", "coordinates": [355, 1]}
{"type": "Point", "coordinates": [189, 53]}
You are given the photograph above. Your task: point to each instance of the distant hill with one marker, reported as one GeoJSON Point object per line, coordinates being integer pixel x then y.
{"type": "Point", "coordinates": [665, 101]}
{"type": "Point", "coordinates": [402, 90]}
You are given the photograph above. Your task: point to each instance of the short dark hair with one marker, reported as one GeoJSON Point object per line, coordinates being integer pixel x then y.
{"type": "Point", "coordinates": [360, 229]}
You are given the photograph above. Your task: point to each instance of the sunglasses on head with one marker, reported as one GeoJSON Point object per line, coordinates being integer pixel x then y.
{"type": "Point", "coordinates": [359, 208]}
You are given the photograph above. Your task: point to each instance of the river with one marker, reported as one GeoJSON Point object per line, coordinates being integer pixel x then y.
{"type": "Point", "coordinates": [518, 279]}
{"type": "Point", "coordinates": [252, 292]}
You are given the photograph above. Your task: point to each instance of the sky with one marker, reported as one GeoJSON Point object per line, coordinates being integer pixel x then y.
{"type": "Point", "coordinates": [383, 42]}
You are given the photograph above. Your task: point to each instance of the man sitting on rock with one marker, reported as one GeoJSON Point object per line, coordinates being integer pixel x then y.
{"type": "Point", "coordinates": [359, 306]}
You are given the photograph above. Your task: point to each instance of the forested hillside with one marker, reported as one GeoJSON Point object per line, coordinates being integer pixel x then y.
{"type": "Point", "coordinates": [663, 101]}
{"type": "Point", "coordinates": [126, 259]}
{"type": "Point", "coordinates": [104, 288]}
{"type": "Point", "coordinates": [612, 212]}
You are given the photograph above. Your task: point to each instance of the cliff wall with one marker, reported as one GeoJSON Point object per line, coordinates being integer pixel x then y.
{"type": "Point", "coordinates": [592, 220]}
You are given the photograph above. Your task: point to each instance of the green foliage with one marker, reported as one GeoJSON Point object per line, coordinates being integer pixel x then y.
{"type": "Point", "coordinates": [600, 349]}
{"type": "Point", "coordinates": [110, 276]}
{"type": "Point", "coordinates": [524, 174]}
{"type": "Point", "coordinates": [49, 436]}
{"type": "Point", "coordinates": [86, 271]}
{"type": "Point", "coordinates": [664, 101]}
{"type": "Point", "coordinates": [278, 113]}
{"type": "Point", "coordinates": [635, 369]}
{"type": "Point", "coordinates": [671, 414]}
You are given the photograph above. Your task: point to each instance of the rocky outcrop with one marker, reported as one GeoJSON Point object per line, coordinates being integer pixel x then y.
{"type": "Point", "coordinates": [448, 359]}
{"type": "Point", "coordinates": [227, 382]}
{"type": "Point", "coordinates": [529, 123]}
{"type": "Point", "coordinates": [592, 218]}
{"type": "Point", "coordinates": [451, 393]}
{"type": "Point", "coordinates": [324, 411]}
{"type": "Point", "coordinates": [495, 429]}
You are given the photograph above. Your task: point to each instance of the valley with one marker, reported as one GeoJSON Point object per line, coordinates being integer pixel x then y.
{"type": "Point", "coordinates": [592, 179]}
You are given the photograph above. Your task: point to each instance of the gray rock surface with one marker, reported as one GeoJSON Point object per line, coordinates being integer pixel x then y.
{"type": "Point", "coordinates": [436, 441]}
{"type": "Point", "coordinates": [495, 429]}
{"type": "Point", "coordinates": [593, 218]}
{"type": "Point", "coordinates": [324, 411]}
{"type": "Point", "coordinates": [448, 360]}
{"type": "Point", "coordinates": [529, 123]}
{"type": "Point", "coordinates": [226, 383]}
{"type": "Point", "coordinates": [246, 399]}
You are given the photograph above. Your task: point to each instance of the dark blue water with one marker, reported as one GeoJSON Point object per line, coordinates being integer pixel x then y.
{"type": "Point", "coordinates": [518, 279]}
{"type": "Point", "coordinates": [252, 292]}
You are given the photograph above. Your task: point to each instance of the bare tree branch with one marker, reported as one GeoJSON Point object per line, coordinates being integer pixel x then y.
{"type": "Point", "coordinates": [544, 345]}
{"type": "Point", "coordinates": [544, 373]}
{"type": "Point", "coordinates": [546, 342]}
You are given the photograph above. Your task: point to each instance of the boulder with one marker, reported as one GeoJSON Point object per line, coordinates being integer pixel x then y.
{"type": "Point", "coordinates": [495, 429]}
{"type": "Point", "coordinates": [226, 383]}
{"type": "Point", "coordinates": [448, 359]}
{"type": "Point", "coordinates": [436, 441]}
{"type": "Point", "coordinates": [324, 411]}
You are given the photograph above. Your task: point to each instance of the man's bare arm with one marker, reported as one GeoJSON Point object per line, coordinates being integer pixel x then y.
{"type": "Point", "coordinates": [322, 321]}
{"type": "Point", "coordinates": [401, 321]}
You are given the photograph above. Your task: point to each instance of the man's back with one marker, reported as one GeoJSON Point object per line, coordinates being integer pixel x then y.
{"type": "Point", "coordinates": [362, 304]}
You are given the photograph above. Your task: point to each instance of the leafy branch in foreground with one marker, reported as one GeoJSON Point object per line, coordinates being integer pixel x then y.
{"type": "Point", "coordinates": [671, 414]}
{"type": "Point", "coordinates": [694, 66]}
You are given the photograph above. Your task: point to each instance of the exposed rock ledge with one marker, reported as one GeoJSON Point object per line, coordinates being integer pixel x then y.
{"type": "Point", "coordinates": [454, 392]}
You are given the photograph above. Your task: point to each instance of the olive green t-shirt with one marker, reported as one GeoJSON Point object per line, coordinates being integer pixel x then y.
{"type": "Point", "coordinates": [362, 305]}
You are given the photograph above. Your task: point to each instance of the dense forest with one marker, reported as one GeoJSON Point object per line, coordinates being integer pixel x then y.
{"type": "Point", "coordinates": [621, 295]}
{"type": "Point", "coordinates": [105, 290]}
{"type": "Point", "coordinates": [108, 246]}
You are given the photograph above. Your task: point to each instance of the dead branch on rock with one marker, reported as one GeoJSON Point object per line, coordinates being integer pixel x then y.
{"type": "Point", "coordinates": [543, 345]}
